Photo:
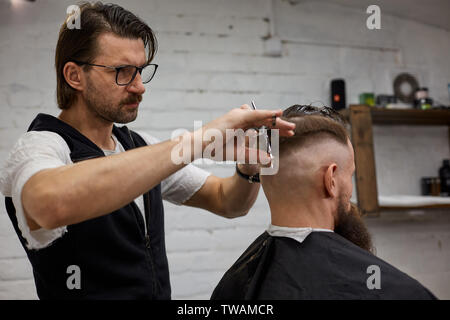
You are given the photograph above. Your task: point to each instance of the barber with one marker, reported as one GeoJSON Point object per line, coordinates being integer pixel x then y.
{"type": "Point", "coordinates": [84, 195]}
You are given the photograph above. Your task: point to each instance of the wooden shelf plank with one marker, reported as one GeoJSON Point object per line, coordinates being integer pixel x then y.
{"type": "Point", "coordinates": [430, 206]}
{"type": "Point", "coordinates": [407, 202]}
{"type": "Point", "coordinates": [405, 116]}
{"type": "Point", "coordinates": [365, 175]}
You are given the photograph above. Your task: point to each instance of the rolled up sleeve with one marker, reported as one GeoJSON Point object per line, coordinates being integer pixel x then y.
{"type": "Point", "coordinates": [33, 152]}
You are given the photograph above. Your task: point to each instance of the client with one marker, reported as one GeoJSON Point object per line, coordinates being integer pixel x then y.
{"type": "Point", "coordinates": [317, 246]}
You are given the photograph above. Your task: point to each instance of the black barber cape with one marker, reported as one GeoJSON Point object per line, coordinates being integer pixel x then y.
{"type": "Point", "coordinates": [324, 266]}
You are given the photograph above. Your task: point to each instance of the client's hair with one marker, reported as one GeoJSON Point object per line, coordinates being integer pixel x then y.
{"type": "Point", "coordinates": [298, 110]}
{"type": "Point", "coordinates": [313, 123]}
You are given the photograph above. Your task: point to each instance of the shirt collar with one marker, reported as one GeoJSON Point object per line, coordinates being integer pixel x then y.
{"type": "Point", "coordinates": [298, 234]}
{"type": "Point", "coordinates": [118, 148]}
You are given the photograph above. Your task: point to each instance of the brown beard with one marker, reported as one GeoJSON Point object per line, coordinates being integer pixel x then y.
{"type": "Point", "coordinates": [102, 107]}
{"type": "Point", "coordinates": [351, 226]}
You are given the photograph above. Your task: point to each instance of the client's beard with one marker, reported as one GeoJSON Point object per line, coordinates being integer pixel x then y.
{"type": "Point", "coordinates": [350, 226]}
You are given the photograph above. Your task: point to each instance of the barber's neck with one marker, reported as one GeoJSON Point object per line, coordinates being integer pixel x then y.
{"type": "Point", "coordinates": [92, 126]}
{"type": "Point", "coordinates": [302, 214]}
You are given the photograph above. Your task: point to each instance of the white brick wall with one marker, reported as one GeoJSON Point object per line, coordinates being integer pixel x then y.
{"type": "Point", "coordinates": [211, 56]}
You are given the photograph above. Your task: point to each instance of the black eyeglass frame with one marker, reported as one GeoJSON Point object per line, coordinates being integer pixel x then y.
{"type": "Point", "coordinates": [117, 69]}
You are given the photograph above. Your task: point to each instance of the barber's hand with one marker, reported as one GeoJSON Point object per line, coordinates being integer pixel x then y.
{"type": "Point", "coordinates": [245, 118]}
{"type": "Point", "coordinates": [240, 118]}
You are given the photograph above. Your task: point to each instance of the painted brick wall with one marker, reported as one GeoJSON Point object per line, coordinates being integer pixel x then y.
{"type": "Point", "coordinates": [212, 57]}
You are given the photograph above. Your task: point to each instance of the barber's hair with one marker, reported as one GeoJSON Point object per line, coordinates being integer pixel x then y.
{"type": "Point", "coordinates": [313, 123]}
{"type": "Point", "coordinates": [82, 45]}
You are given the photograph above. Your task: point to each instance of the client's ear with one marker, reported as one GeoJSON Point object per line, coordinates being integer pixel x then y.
{"type": "Point", "coordinates": [329, 181]}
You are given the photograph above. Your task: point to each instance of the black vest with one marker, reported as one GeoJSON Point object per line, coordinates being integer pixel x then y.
{"type": "Point", "coordinates": [116, 258]}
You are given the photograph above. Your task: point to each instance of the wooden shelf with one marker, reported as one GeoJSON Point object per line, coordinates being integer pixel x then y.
{"type": "Point", "coordinates": [399, 208]}
{"type": "Point", "coordinates": [406, 116]}
{"type": "Point", "coordinates": [406, 202]}
{"type": "Point", "coordinates": [361, 118]}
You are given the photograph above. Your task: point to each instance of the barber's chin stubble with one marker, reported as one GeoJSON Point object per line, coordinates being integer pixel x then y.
{"type": "Point", "coordinates": [126, 117]}
{"type": "Point", "coordinates": [102, 107]}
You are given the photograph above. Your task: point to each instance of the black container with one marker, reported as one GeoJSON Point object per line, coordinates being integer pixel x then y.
{"type": "Point", "coordinates": [444, 175]}
{"type": "Point", "coordinates": [338, 94]}
{"type": "Point", "coordinates": [426, 186]}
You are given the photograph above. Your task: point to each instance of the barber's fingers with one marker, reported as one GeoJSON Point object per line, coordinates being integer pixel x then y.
{"type": "Point", "coordinates": [274, 122]}
{"type": "Point", "coordinates": [282, 125]}
{"type": "Point", "coordinates": [257, 118]}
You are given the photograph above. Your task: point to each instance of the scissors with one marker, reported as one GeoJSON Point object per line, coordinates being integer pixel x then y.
{"type": "Point", "coordinates": [269, 148]}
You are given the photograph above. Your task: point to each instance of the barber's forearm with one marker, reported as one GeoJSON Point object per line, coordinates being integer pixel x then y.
{"type": "Point", "coordinates": [239, 195]}
{"type": "Point", "coordinates": [88, 189]}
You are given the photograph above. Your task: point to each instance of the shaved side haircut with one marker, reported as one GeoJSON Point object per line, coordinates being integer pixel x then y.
{"type": "Point", "coordinates": [313, 123]}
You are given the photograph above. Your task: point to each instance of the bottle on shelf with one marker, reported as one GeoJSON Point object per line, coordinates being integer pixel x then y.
{"type": "Point", "coordinates": [444, 175]}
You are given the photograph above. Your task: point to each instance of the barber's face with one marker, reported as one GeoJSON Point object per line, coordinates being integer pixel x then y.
{"type": "Point", "coordinates": [102, 95]}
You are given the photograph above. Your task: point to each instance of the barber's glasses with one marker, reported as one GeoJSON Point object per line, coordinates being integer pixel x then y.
{"type": "Point", "coordinates": [127, 73]}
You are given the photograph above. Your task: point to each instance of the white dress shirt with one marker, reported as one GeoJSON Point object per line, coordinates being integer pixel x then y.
{"type": "Point", "coordinates": [298, 234]}
{"type": "Point", "coordinates": [38, 150]}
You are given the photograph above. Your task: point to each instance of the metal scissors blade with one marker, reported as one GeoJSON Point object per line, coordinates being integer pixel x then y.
{"type": "Point", "coordinates": [269, 148]}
